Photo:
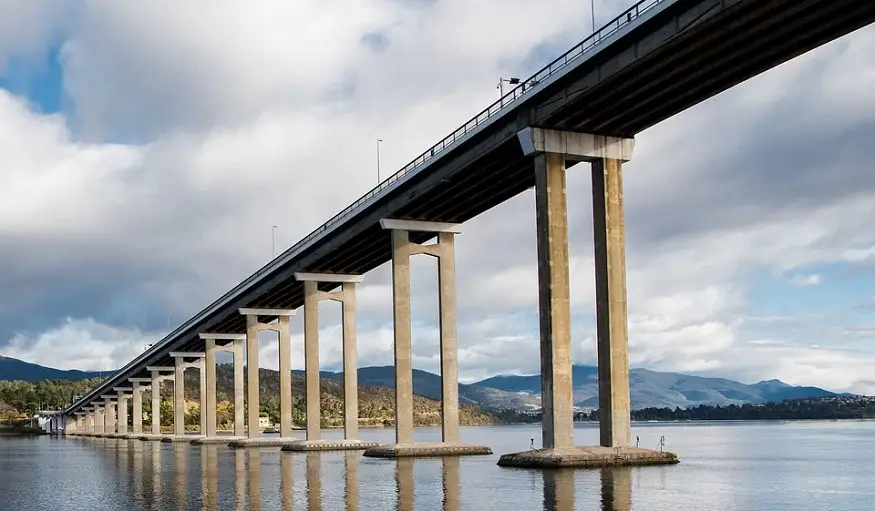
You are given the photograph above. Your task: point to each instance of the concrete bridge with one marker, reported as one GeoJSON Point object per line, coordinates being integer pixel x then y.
{"type": "Point", "coordinates": [654, 60]}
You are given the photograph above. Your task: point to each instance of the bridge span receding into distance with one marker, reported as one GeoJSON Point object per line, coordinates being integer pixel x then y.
{"type": "Point", "coordinates": [656, 59]}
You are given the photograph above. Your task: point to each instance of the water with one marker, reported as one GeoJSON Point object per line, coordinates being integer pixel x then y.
{"type": "Point", "coordinates": [724, 466]}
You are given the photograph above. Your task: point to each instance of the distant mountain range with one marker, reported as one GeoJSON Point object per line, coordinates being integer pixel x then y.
{"type": "Point", "coordinates": [14, 369]}
{"type": "Point", "coordinates": [648, 388]}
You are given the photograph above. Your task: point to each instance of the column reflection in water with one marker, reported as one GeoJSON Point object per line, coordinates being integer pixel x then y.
{"type": "Point", "coordinates": [137, 472]}
{"type": "Point", "coordinates": [351, 483]}
{"type": "Point", "coordinates": [559, 489]}
{"type": "Point", "coordinates": [210, 477]}
{"type": "Point", "coordinates": [616, 489]}
{"type": "Point", "coordinates": [314, 481]}
{"type": "Point", "coordinates": [180, 475]}
{"type": "Point", "coordinates": [254, 471]}
{"type": "Point", "coordinates": [157, 473]}
{"type": "Point", "coordinates": [452, 484]}
{"type": "Point", "coordinates": [404, 483]}
{"type": "Point", "coordinates": [287, 483]}
{"type": "Point", "coordinates": [239, 480]}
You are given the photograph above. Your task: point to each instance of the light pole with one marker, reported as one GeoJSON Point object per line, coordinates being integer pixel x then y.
{"type": "Point", "coordinates": [379, 141]}
{"type": "Point", "coordinates": [501, 81]}
{"type": "Point", "coordinates": [592, 12]}
{"type": "Point", "coordinates": [273, 243]}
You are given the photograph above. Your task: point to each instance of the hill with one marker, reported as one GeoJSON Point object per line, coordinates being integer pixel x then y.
{"type": "Point", "coordinates": [12, 369]}
{"type": "Point", "coordinates": [652, 389]}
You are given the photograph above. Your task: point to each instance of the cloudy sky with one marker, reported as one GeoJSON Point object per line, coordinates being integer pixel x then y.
{"type": "Point", "coordinates": [147, 149]}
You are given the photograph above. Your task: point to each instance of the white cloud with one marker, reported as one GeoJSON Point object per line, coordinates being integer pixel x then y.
{"type": "Point", "coordinates": [806, 280]}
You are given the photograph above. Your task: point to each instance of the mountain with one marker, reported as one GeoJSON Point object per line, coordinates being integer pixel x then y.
{"type": "Point", "coordinates": [656, 389]}
{"type": "Point", "coordinates": [14, 369]}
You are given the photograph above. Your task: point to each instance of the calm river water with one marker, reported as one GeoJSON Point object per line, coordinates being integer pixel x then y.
{"type": "Point", "coordinates": [778, 466]}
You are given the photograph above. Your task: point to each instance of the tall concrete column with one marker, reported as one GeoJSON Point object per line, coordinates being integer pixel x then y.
{"type": "Point", "coordinates": [137, 409]}
{"type": "Point", "coordinates": [403, 345]}
{"type": "Point", "coordinates": [109, 417]}
{"type": "Point", "coordinates": [611, 308]}
{"type": "Point", "coordinates": [156, 403]}
{"type": "Point", "coordinates": [285, 365]}
{"type": "Point", "coordinates": [448, 340]}
{"type": "Point", "coordinates": [99, 421]}
{"type": "Point", "coordinates": [350, 364]}
{"type": "Point", "coordinates": [122, 414]}
{"type": "Point", "coordinates": [202, 399]}
{"type": "Point", "coordinates": [252, 377]}
{"type": "Point", "coordinates": [239, 399]}
{"type": "Point", "coordinates": [179, 397]}
{"type": "Point", "coordinates": [208, 408]}
{"type": "Point", "coordinates": [311, 359]}
{"type": "Point", "coordinates": [554, 302]}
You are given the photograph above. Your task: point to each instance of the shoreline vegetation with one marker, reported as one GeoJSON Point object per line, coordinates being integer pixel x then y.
{"type": "Point", "coordinates": [21, 400]}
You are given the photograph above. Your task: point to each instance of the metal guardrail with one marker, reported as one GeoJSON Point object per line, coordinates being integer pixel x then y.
{"type": "Point", "coordinates": [582, 48]}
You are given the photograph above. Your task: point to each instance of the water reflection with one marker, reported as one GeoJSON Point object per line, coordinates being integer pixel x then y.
{"type": "Point", "coordinates": [157, 473]}
{"type": "Point", "coordinates": [210, 477]}
{"type": "Point", "coordinates": [404, 483]}
{"type": "Point", "coordinates": [239, 480]}
{"type": "Point", "coordinates": [616, 489]}
{"type": "Point", "coordinates": [180, 472]}
{"type": "Point", "coordinates": [254, 479]}
{"type": "Point", "coordinates": [287, 484]}
{"type": "Point", "coordinates": [351, 480]}
{"type": "Point", "coordinates": [314, 481]}
{"type": "Point", "coordinates": [451, 480]}
{"type": "Point", "coordinates": [559, 489]}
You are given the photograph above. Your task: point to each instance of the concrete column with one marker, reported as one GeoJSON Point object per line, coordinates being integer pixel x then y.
{"type": "Point", "coordinates": [449, 342]}
{"type": "Point", "coordinates": [99, 421]}
{"type": "Point", "coordinates": [252, 376]}
{"type": "Point", "coordinates": [137, 405]}
{"type": "Point", "coordinates": [179, 397]}
{"type": "Point", "coordinates": [285, 364]}
{"type": "Point", "coordinates": [109, 417]}
{"type": "Point", "coordinates": [156, 403]}
{"type": "Point", "coordinates": [122, 414]}
{"type": "Point", "coordinates": [350, 364]}
{"type": "Point", "coordinates": [202, 398]}
{"type": "Point", "coordinates": [403, 347]}
{"type": "Point", "coordinates": [611, 315]}
{"type": "Point", "coordinates": [311, 359]}
{"type": "Point", "coordinates": [208, 408]}
{"type": "Point", "coordinates": [554, 301]}
{"type": "Point", "coordinates": [239, 400]}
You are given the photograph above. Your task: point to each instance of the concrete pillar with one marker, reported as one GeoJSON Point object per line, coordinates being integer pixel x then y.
{"type": "Point", "coordinates": [122, 414]}
{"type": "Point", "coordinates": [285, 366]}
{"type": "Point", "coordinates": [99, 421]}
{"type": "Point", "coordinates": [208, 408]}
{"type": "Point", "coordinates": [109, 417]}
{"type": "Point", "coordinates": [448, 340]}
{"type": "Point", "coordinates": [252, 376]}
{"type": "Point", "coordinates": [611, 308]}
{"type": "Point", "coordinates": [156, 403]}
{"type": "Point", "coordinates": [402, 328]}
{"type": "Point", "coordinates": [202, 398]}
{"type": "Point", "coordinates": [179, 397]}
{"type": "Point", "coordinates": [311, 359]}
{"type": "Point", "coordinates": [137, 411]}
{"type": "Point", "coordinates": [554, 302]}
{"type": "Point", "coordinates": [239, 400]}
{"type": "Point", "coordinates": [350, 364]}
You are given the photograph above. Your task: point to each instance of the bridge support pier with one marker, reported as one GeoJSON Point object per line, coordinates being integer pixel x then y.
{"type": "Point", "coordinates": [122, 427]}
{"type": "Point", "coordinates": [216, 342]}
{"type": "Point", "coordinates": [281, 326]}
{"type": "Point", "coordinates": [444, 251]}
{"type": "Point", "coordinates": [108, 417]}
{"type": "Point", "coordinates": [181, 364]}
{"type": "Point", "coordinates": [551, 150]}
{"type": "Point", "coordinates": [312, 297]}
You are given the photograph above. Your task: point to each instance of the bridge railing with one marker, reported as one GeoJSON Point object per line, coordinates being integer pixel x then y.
{"type": "Point", "coordinates": [526, 86]}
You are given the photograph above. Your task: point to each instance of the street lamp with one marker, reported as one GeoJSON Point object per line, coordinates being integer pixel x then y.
{"type": "Point", "coordinates": [379, 141]}
{"type": "Point", "coordinates": [273, 243]}
{"type": "Point", "coordinates": [510, 81]}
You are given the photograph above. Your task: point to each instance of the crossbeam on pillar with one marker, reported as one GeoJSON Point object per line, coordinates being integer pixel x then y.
{"type": "Point", "coordinates": [186, 354]}
{"type": "Point", "coordinates": [161, 369]}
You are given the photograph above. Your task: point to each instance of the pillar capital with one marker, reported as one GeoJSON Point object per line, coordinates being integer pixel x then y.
{"type": "Point", "coordinates": [187, 354]}
{"type": "Point", "coordinates": [140, 380]}
{"type": "Point", "coordinates": [161, 369]}
{"type": "Point", "coordinates": [122, 390]}
{"type": "Point", "coordinates": [393, 224]}
{"type": "Point", "coordinates": [328, 277]}
{"type": "Point", "coordinates": [575, 146]}
{"type": "Point", "coordinates": [266, 312]}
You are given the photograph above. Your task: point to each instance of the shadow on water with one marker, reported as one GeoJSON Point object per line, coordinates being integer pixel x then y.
{"type": "Point", "coordinates": [616, 489]}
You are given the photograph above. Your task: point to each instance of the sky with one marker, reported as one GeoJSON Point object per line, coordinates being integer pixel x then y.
{"type": "Point", "coordinates": [148, 149]}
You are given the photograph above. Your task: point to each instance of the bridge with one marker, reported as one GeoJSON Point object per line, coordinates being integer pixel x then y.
{"type": "Point", "coordinates": [651, 62]}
